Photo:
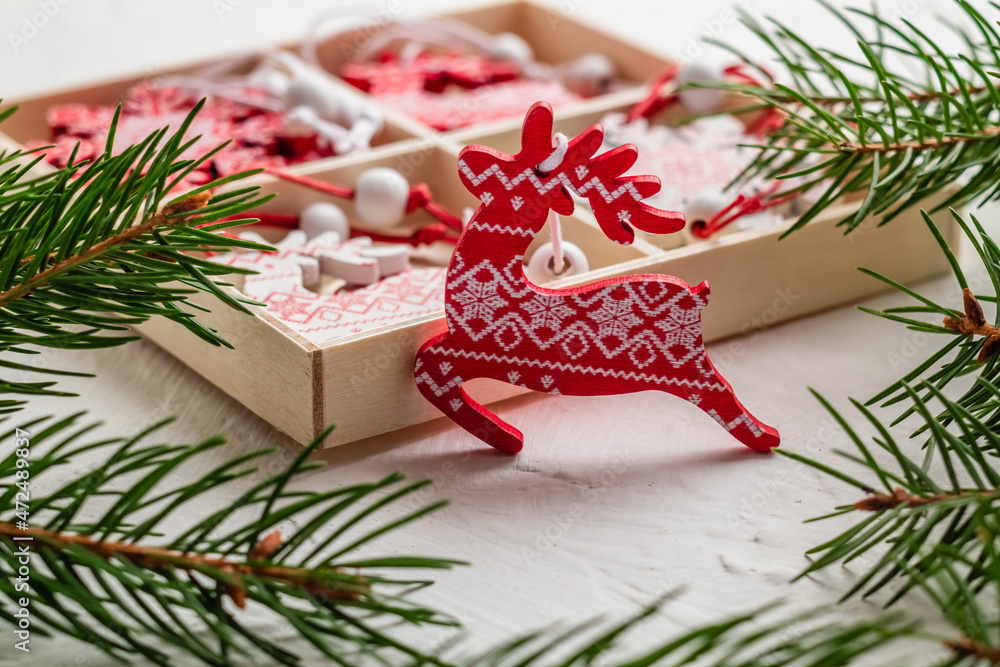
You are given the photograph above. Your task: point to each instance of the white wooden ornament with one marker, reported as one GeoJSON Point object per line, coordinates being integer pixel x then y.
{"type": "Point", "coordinates": [364, 266]}
{"type": "Point", "coordinates": [391, 259]}
{"type": "Point", "coordinates": [309, 266]}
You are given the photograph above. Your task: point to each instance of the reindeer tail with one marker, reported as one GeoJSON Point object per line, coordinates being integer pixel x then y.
{"type": "Point", "coordinates": [703, 290]}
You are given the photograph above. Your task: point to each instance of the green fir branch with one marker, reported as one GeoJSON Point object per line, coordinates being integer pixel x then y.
{"type": "Point", "coordinates": [899, 120]}
{"type": "Point", "coordinates": [923, 526]}
{"type": "Point", "coordinates": [749, 640]}
{"type": "Point", "coordinates": [105, 570]}
{"type": "Point", "coordinates": [93, 248]}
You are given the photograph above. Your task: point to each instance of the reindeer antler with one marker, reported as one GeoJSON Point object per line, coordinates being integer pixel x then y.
{"type": "Point", "coordinates": [617, 199]}
{"type": "Point", "coordinates": [536, 132]}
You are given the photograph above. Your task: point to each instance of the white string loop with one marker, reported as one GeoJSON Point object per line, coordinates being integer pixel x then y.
{"type": "Point", "coordinates": [557, 156]}
{"type": "Point", "coordinates": [555, 229]}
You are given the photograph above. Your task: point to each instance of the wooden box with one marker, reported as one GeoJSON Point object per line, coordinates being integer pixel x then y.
{"type": "Point", "coordinates": [364, 383]}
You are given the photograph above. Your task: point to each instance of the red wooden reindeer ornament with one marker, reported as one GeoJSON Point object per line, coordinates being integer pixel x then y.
{"type": "Point", "coordinates": [616, 336]}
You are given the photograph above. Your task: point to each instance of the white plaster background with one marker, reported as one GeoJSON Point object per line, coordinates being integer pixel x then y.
{"type": "Point", "coordinates": [666, 498]}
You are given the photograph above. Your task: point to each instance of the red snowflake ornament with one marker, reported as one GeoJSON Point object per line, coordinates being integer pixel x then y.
{"type": "Point", "coordinates": [616, 336]}
{"type": "Point", "coordinates": [428, 71]}
{"type": "Point", "coordinates": [449, 91]}
{"type": "Point", "coordinates": [257, 135]}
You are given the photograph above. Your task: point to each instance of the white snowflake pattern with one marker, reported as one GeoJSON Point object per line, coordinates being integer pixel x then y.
{"type": "Point", "coordinates": [479, 300]}
{"type": "Point", "coordinates": [615, 318]}
{"type": "Point", "coordinates": [547, 311]}
{"type": "Point", "coordinates": [682, 326]}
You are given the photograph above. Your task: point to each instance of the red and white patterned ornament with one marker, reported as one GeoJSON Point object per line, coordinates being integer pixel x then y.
{"type": "Point", "coordinates": [278, 283]}
{"type": "Point", "coordinates": [451, 90]}
{"type": "Point", "coordinates": [616, 336]}
{"type": "Point", "coordinates": [258, 135]}
{"type": "Point", "coordinates": [433, 72]}
{"type": "Point", "coordinates": [451, 110]}
{"type": "Point", "coordinates": [697, 162]}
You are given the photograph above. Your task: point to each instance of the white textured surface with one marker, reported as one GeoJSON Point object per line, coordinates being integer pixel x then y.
{"type": "Point", "coordinates": [614, 500]}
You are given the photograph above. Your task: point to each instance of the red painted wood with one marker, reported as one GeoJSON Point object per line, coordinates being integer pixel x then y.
{"type": "Point", "coordinates": [616, 336]}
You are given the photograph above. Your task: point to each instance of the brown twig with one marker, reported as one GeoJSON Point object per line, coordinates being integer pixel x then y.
{"type": "Point", "coordinates": [919, 98]}
{"type": "Point", "coordinates": [327, 583]}
{"type": "Point", "coordinates": [159, 219]}
{"type": "Point", "coordinates": [927, 144]}
{"type": "Point", "coordinates": [878, 502]}
{"type": "Point", "coordinates": [974, 324]}
{"type": "Point", "coordinates": [966, 648]}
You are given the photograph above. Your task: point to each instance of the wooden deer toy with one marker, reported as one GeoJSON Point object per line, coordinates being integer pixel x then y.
{"type": "Point", "coordinates": [616, 336]}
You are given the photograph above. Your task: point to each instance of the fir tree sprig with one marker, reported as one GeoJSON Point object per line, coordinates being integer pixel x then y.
{"type": "Point", "coordinates": [909, 514]}
{"type": "Point", "coordinates": [748, 640]}
{"type": "Point", "coordinates": [110, 236]}
{"type": "Point", "coordinates": [900, 120]}
{"type": "Point", "coordinates": [969, 342]}
{"type": "Point", "coordinates": [105, 571]}
{"type": "Point", "coordinates": [930, 516]}
{"type": "Point", "coordinates": [923, 526]}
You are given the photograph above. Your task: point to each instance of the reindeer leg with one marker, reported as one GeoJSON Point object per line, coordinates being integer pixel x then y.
{"type": "Point", "coordinates": [726, 409]}
{"type": "Point", "coordinates": [440, 379]}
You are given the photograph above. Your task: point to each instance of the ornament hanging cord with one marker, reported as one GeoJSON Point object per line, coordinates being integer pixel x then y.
{"type": "Point", "coordinates": [420, 197]}
{"type": "Point", "coordinates": [555, 228]}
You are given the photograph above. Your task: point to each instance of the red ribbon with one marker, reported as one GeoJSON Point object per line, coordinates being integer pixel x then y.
{"type": "Point", "coordinates": [420, 197]}
{"type": "Point", "coordinates": [740, 207]}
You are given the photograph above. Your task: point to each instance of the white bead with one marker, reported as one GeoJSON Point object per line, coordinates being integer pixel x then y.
{"type": "Point", "coordinates": [312, 91]}
{"type": "Point", "coordinates": [590, 75]}
{"type": "Point", "coordinates": [507, 46]}
{"type": "Point", "coordinates": [541, 268]}
{"type": "Point", "coordinates": [321, 217]}
{"type": "Point", "coordinates": [701, 100]}
{"type": "Point", "coordinates": [350, 108]}
{"type": "Point", "coordinates": [269, 78]}
{"type": "Point", "coordinates": [380, 197]}
{"type": "Point", "coordinates": [301, 121]}
{"type": "Point", "coordinates": [704, 205]}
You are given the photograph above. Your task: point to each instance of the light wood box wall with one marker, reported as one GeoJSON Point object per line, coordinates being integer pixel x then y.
{"type": "Point", "coordinates": [364, 383]}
